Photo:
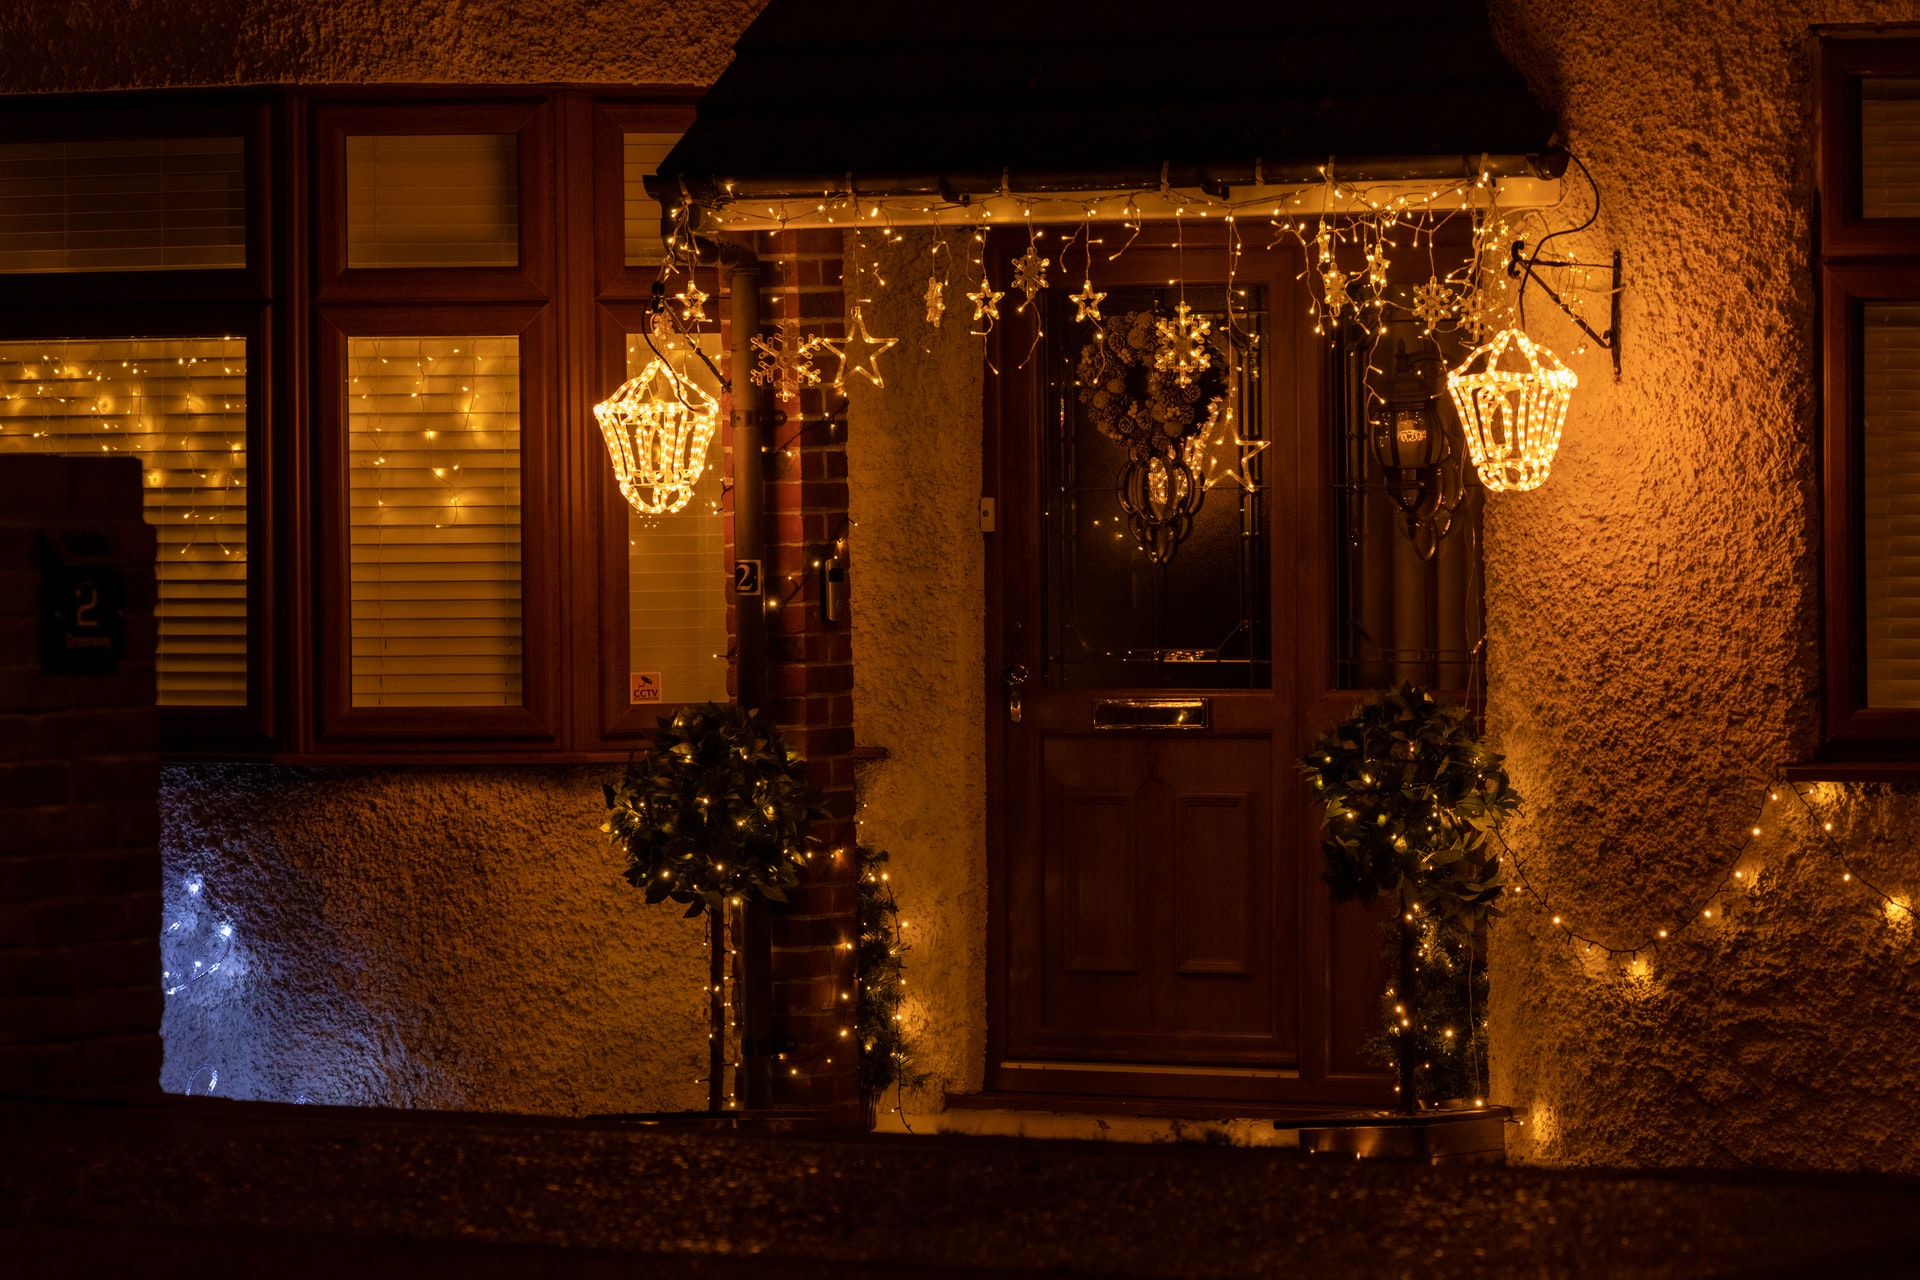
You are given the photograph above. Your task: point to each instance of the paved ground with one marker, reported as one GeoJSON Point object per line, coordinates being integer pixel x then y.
{"type": "Point", "coordinates": [215, 1190]}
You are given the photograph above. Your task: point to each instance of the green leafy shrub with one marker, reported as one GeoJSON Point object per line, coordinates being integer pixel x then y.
{"type": "Point", "coordinates": [718, 809]}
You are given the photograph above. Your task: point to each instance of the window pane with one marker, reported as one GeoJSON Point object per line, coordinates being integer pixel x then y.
{"type": "Point", "coordinates": [1890, 458]}
{"type": "Point", "coordinates": [677, 574]}
{"type": "Point", "coordinates": [644, 152]}
{"type": "Point", "coordinates": [433, 200]}
{"type": "Point", "coordinates": [180, 406]}
{"type": "Point", "coordinates": [141, 204]}
{"type": "Point", "coordinates": [433, 428]}
{"type": "Point", "coordinates": [1890, 147]}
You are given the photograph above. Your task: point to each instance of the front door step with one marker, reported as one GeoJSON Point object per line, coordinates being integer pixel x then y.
{"type": "Point", "coordinates": [1465, 1135]}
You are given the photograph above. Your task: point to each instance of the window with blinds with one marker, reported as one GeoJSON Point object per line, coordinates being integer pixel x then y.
{"type": "Point", "coordinates": [433, 200]}
{"type": "Point", "coordinates": [677, 570]}
{"type": "Point", "coordinates": [1890, 147]}
{"type": "Point", "coordinates": [1890, 456]}
{"type": "Point", "coordinates": [180, 406]}
{"type": "Point", "coordinates": [132, 204]}
{"type": "Point", "coordinates": [644, 152]}
{"type": "Point", "coordinates": [434, 491]}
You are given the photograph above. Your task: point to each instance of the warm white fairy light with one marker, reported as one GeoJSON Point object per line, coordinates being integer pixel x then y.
{"type": "Point", "coordinates": [658, 427]}
{"type": "Point", "coordinates": [1512, 395]}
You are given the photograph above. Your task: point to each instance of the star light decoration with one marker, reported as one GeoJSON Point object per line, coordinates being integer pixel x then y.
{"type": "Point", "coordinates": [1234, 472]}
{"type": "Point", "coordinates": [986, 304]}
{"type": "Point", "coordinates": [1030, 273]}
{"type": "Point", "coordinates": [658, 427]}
{"type": "Point", "coordinates": [693, 304]}
{"type": "Point", "coordinates": [785, 362]}
{"type": "Point", "coordinates": [1086, 303]}
{"type": "Point", "coordinates": [1183, 344]}
{"type": "Point", "coordinates": [859, 352]}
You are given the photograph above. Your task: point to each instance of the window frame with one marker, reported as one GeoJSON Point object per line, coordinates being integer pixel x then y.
{"type": "Point", "coordinates": [1858, 261]}
{"type": "Point", "coordinates": [531, 121]}
{"type": "Point", "coordinates": [572, 298]}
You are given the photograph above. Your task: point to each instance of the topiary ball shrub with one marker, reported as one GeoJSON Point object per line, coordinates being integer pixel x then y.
{"type": "Point", "coordinates": [719, 809]}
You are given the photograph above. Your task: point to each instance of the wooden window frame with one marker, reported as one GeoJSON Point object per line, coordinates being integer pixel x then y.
{"type": "Point", "coordinates": [617, 722]}
{"type": "Point", "coordinates": [535, 722]}
{"type": "Point", "coordinates": [613, 118]}
{"type": "Point", "coordinates": [152, 116]}
{"type": "Point", "coordinates": [572, 298]}
{"type": "Point", "coordinates": [1859, 260]}
{"type": "Point", "coordinates": [531, 121]}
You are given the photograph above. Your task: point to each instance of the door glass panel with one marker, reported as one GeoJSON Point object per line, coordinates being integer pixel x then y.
{"type": "Point", "coordinates": [1400, 615]}
{"type": "Point", "coordinates": [1147, 600]}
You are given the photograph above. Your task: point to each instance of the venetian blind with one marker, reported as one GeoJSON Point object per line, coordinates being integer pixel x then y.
{"type": "Point", "coordinates": [1890, 147]}
{"type": "Point", "coordinates": [644, 152]}
{"type": "Point", "coordinates": [132, 204]}
{"type": "Point", "coordinates": [677, 571]}
{"type": "Point", "coordinates": [1891, 467]}
{"type": "Point", "coordinates": [433, 200]}
{"type": "Point", "coordinates": [180, 406]}
{"type": "Point", "coordinates": [433, 429]}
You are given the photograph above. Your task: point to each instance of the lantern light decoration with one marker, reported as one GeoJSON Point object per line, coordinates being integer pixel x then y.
{"type": "Point", "coordinates": [1512, 395]}
{"type": "Point", "coordinates": [658, 428]}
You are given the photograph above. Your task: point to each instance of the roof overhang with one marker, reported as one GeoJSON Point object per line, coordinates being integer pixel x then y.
{"type": "Point", "coordinates": [1124, 109]}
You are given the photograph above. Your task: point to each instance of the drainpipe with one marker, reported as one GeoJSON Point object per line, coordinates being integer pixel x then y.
{"type": "Point", "coordinates": [749, 423]}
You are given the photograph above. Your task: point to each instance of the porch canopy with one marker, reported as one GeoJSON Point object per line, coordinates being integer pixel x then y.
{"type": "Point", "coordinates": [958, 104]}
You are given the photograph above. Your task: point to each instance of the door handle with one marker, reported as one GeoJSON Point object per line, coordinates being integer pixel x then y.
{"type": "Point", "coordinates": [1015, 675]}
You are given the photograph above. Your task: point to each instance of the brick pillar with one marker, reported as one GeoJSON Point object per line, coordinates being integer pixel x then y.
{"type": "Point", "coordinates": [80, 999]}
{"type": "Point", "coordinates": [811, 686]}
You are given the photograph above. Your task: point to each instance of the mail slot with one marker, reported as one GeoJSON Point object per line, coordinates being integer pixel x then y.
{"type": "Point", "coordinates": [1152, 713]}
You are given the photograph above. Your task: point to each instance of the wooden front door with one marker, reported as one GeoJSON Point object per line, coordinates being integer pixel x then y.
{"type": "Point", "coordinates": [1159, 929]}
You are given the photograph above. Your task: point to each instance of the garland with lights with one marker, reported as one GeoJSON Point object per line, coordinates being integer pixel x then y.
{"type": "Point", "coordinates": [886, 1046]}
{"type": "Point", "coordinates": [1411, 796]}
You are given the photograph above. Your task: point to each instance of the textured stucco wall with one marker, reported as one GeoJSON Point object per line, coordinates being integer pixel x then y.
{"type": "Point", "coordinates": [54, 46]}
{"type": "Point", "coordinates": [429, 938]}
{"type": "Point", "coordinates": [1653, 617]}
{"type": "Point", "coordinates": [913, 462]}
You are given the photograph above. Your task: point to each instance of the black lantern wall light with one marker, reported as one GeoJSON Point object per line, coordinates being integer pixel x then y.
{"type": "Point", "coordinates": [1413, 440]}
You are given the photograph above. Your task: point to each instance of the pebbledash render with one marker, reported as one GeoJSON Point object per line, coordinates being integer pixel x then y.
{"type": "Point", "coordinates": [1653, 623]}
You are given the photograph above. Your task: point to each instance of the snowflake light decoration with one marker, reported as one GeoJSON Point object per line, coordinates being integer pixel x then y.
{"type": "Point", "coordinates": [1183, 344]}
{"type": "Point", "coordinates": [1432, 303]}
{"type": "Point", "coordinates": [785, 362]}
{"type": "Point", "coordinates": [1334, 291]}
{"type": "Point", "coordinates": [1030, 274]}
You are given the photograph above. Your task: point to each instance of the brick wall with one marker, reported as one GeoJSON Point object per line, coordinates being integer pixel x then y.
{"type": "Point", "coordinates": [810, 684]}
{"type": "Point", "coordinates": [80, 998]}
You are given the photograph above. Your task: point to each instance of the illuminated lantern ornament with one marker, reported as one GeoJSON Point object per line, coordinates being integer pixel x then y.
{"type": "Point", "coordinates": [1512, 395]}
{"type": "Point", "coordinates": [658, 427]}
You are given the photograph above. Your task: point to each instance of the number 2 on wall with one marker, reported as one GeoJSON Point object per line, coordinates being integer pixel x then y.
{"type": "Point", "coordinates": [83, 612]}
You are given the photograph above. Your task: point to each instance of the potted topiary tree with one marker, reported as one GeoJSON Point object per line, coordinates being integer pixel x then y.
{"type": "Point", "coordinates": [1411, 795]}
{"type": "Point", "coordinates": [716, 814]}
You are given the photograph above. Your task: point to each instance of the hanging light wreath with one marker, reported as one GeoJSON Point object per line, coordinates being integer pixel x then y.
{"type": "Point", "coordinates": [658, 427]}
{"type": "Point", "coordinates": [1161, 409]}
{"type": "Point", "coordinates": [1512, 395]}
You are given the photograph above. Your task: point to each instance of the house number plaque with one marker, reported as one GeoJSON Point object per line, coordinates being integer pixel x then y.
{"type": "Point", "coordinates": [82, 598]}
{"type": "Point", "coordinates": [746, 577]}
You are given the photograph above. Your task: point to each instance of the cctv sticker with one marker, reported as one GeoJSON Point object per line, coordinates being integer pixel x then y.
{"type": "Point", "coordinates": [643, 686]}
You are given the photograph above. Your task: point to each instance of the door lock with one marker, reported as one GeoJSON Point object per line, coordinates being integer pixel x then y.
{"type": "Point", "coordinates": [1015, 676]}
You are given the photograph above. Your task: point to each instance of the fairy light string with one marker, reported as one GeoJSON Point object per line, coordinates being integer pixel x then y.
{"type": "Point", "coordinates": [1734, 875]}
